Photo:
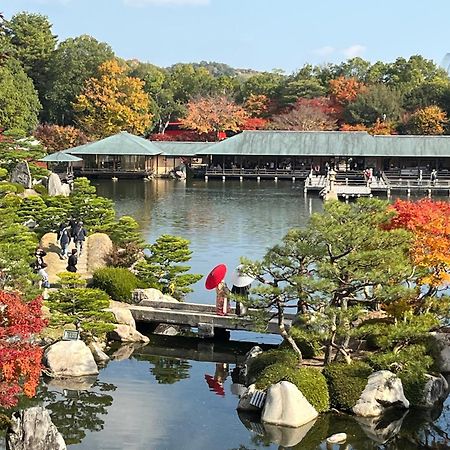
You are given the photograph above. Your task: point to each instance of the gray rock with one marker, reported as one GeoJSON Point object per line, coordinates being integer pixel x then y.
{"type": "Point", "coordinates": [165, 329]}
{"type": "Point", "coordinates": [383, 390]}
{"type": "Point", "coordinates": [123, 316]}
{"type": "Point", "coordinates": [33, 429]}
{"type": "Point", "coordinates": [244, 401]}
{"type": "Point", "coordinates": [443, 344]}
{"type": "Point", "coordinates": [435, 391]}
{"type": "Point", "coordinates": [69, 359]}
{"type": "Point", "coordinates": [21, 174]}
{"type": "Point", "coordinates": [338, 438]}
{"type": "Point", "coordinates": [287, 437]}
{"type": "Point", "coordinates": [125, 333]}
{"type": "Point", "coordinates": [286, 406]}
{"type": "Point", "coordinates": [99, 355]}
{"type": "Point", "coordinates": [30, 223]}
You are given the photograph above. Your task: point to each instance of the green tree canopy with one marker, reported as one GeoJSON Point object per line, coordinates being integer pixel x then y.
{"type": "Point", "coordinates": [73, 62]}
{"type": "Point", "coordinates": [19, 102]}
{"type": "Point", "coordinates": [376, 102]}
{"type": "Point", "coordinates": [32, 44]}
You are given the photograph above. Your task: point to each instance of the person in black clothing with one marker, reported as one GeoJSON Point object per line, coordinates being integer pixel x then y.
{"type": "Point", "coordinates": [39, 267]}
{"type": "Point", "coordinates": [72, 261]}
{"type": "Point", "coordinates": [73, 226]}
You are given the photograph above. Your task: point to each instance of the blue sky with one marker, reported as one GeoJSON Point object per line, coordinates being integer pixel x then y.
{"type": "Point", "coordinates": [258, 34]}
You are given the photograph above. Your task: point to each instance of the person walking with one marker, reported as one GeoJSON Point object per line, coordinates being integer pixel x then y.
{"type": "Point", "coordinates": [79, 236]}
{"type": "Point", "coordinates": [39, 267]}
{"type": "Point", "coordinates": [222, 302]}
{"type": "Point", "coordinates": [64, 240]}
{"type": "Point", "coordinates": [72, 261]}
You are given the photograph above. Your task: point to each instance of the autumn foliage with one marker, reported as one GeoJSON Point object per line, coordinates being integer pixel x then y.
{"type": "Point", "coordinates": [56, 137]}
{"type": "Point", "coordinates": [113, 102]}
{"type": "Point", "coordinates": [345, 90]}
{"type": "Point", "coordinates": [214, 114]}
{"type": "Point", "coordinates": [430, 120]}
{"type": "Point", "coordinates": [20, 359]}
{"type": "Point", "coordinates": [429, 221]}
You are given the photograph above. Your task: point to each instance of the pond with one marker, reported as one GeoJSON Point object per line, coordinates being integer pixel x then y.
{"type": "Point", "coordinates": [177, 393]}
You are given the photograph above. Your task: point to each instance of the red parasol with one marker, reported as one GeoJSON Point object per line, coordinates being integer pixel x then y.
{"type": "Point", "coordinates": [215, 276]}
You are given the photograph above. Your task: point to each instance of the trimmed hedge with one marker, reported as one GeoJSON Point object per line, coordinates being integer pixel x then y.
{"type": "Point", "coordinates": [269, 358]}
{"type": "Point", "coordinates": [309, 381]}
{"type": "Point", "coordinates": [346, 383]}
{"type": "Point", "coordinates": [308, 343]}
{"type": "Point", "coordinates": [116, 281]}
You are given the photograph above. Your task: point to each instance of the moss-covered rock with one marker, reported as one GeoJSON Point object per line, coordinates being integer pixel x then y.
{"type": "Point", "coordinates": [309, 381]}
{"type": "Point", "coordinates": [346, 383]}
{"type": "Point", "coordinates": [308, 343]}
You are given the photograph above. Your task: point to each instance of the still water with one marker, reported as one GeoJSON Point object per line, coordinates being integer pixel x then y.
{"type": "Point", "coordinates": [158, 397]}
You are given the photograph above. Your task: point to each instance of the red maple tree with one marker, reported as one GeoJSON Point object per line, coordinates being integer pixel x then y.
{"type": "Point", "coordinates": [20, 359]}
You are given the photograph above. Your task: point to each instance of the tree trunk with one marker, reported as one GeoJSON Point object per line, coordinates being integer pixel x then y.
{"type": "Point", "coordinates": [286, 336]}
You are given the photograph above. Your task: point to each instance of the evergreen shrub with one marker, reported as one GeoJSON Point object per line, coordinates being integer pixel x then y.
{"type": "Point", "coordinates": [116, 281]}
{"type": "Point", "coordinates": [310, 382]}
{"type": "Point", "coordinates": [266, 359]}
{"type": "Point", "coordinates": [346, 383]}
{"type": "Point", "coordinates": [308, 343]}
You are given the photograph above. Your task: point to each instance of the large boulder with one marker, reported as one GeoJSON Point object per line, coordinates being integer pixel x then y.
{"type": "Point", "coordinates": [383, 390]}
{"type": "Point", "coordinates": [99, 247]}
{"type": "Point", "coordinates": [21, 174]}
{"type": "Point", "coordinates": [33, 429]}
{"type": "Point", "coordinates": [55, 187]}
{"type": "Point", "coordinates": [166, 329]}
{"type": "Point", "coordinates": [124, 333]}
{"type": "Point", "coordinates": [69, 359]}
{"type": "Point", "coordinates": [443, 345]}
{"type": "Point", "coordinates": [435, 391]}
{"type": "Point", "coordinates": [286, 406]}
{"type": "Point", "coordinates": [122, 314]}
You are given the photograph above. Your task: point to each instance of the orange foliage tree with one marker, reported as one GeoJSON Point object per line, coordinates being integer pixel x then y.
{"type": "Point", "coordinates": [429, 221]}
{"type": "Point", "coordinates": [56, 137]}
{"type": "Point", "coordinates": [430, 121]}
{"type": "Point", "coordinates": [257, 105]}
{"type": "Point", "coordinates": [20, 359]}
{"type": "Point", "coordinates": [214, 114]}
{"type": "Point", "coordinates": [345, 90]}
{"type": "Point", "coordinates": [113, 102]}
{"type": "Point", "coordinates": [356, 127]}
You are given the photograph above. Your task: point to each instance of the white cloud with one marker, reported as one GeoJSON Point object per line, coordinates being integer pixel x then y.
{"type": "Point", "coordinates": [354, 50]}
{"type": "Point", "coordinates": [327, 50]}
{"type": "Point", "coordinates": [166, 2]}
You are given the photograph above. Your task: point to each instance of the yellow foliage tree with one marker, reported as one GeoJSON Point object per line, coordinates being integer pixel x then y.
{"type": "Point", "coordinates": [214, 114]}
{"type": "Point", "coordinates": [430, 120]}
{"type": "Point", "coordinates": [113, 102]}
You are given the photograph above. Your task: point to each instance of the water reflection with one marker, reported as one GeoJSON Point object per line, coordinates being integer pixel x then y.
{"type": "Point", "coordinates": [74, 412]}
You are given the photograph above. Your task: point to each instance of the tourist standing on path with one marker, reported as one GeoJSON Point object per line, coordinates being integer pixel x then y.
{"type": "Point", "coordinates": [433, 177]}
{"type": "Point", "coordinates": [79, 236]}
{"type": "Point", "coordinates": [39, 267]}
{"type": "Point", "coordinates": [73, 225]}
{"type": "Point", "coordinates": [64, 240]}
{"type": "Point", "coordinates": [72, 261]}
